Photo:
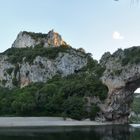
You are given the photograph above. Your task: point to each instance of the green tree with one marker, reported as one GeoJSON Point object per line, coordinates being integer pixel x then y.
{"type": "Point", "coordinates": [24, 104]}
{"type": "Point", "coordinates": [74, 108]}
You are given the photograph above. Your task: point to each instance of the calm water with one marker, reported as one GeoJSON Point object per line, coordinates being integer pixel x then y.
{"type": "Point", "coordinates": [71, 133]}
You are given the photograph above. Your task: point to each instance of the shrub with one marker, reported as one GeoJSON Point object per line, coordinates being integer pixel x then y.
{"type": "Point", "coordinates": [15, 81]}
{"type": "Point", "coordinates": [74, 108]}
{"type": "Point", "coordinates": [36, 35]}
{"type": "Point", "coordinates": [93, 112]}
{"type": "Point", "coordinates": [10, 70]}
{"type": "Point", "coordinates": [4, 82]}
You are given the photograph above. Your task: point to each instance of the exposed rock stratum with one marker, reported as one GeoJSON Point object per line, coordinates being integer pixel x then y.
{"type": "Point", "coordinates": [29, 39]}
{"type": "Point", "coordinates": [42, 67]}
{"type": "Point", "coordinates": [122, 77]}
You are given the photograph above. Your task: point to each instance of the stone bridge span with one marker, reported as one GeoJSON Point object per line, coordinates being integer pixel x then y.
{"type": "Point", "coordinates": [122, 77]}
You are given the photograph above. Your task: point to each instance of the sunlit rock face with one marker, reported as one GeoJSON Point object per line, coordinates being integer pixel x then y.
{"type": "Point", "coordinates": [122, 77]}
{"type": "Point", "coordinates": [30, 39]}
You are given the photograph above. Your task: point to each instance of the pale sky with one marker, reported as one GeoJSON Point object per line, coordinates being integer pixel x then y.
{"type": "Point", "coordinates": [95, 25]}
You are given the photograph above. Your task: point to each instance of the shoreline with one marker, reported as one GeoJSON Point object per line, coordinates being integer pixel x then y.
{"type": "Point", "coordinates": [46, 122]}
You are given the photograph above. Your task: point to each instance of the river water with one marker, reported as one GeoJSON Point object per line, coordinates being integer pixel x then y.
{"type": "Point", "coordinates": [115, 132]}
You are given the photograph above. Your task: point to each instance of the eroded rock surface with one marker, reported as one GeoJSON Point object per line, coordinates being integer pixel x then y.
{"type": "Point", "coordinates": [122, 77]}
{"type": "Point", "coordinates": [41, 70]}
{"type": "Point", "coordinates": [30, 39]}
{"type": "Point", "coordinates": [63, 61]}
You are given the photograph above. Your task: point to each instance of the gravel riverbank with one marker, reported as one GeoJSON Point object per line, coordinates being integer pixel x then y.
{"type": "Point", "coordinates": [44, 121]}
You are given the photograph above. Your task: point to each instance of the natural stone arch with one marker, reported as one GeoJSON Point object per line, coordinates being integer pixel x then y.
{"type": "Point", "coordinates": [122, 77]}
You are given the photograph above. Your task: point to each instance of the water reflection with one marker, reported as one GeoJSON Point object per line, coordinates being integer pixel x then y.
{"type": "Point", "coordinates": [115, 132]}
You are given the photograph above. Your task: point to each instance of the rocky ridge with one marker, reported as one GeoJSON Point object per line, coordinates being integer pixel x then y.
{"type": "Point", "coordinates": [42, 68]}
{"type": "Point", "coordinates": [29, 39]}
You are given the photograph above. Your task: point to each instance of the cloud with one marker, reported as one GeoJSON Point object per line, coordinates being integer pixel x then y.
{"type": "Point", "coordinates": [117, 36]}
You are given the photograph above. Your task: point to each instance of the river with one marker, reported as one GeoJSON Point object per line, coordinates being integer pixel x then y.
{"type": "Point", "coordinates": [112, 132]}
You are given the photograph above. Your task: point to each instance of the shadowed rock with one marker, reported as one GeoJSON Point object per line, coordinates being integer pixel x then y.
{"type": "Point", "coordinates": [122, 77]}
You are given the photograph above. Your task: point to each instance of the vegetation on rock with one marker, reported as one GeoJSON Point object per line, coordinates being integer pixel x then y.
{"type": "Point", "coordinates": [60, 96]}
{"type": "Point", "coordinates": [16, 55]}
{"type": "Point", "coordinates": [35, 35]}
{"type": "Point", "coordinates": [132, 56]}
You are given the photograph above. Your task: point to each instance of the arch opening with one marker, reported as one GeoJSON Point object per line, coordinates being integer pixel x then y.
{"type": "Point", "coordinates": [120, 102]}
{"type": "Point", "coordinates": [134, 116]}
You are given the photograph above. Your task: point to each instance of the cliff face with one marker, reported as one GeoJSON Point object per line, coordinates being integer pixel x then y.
{"type": "Point", "coordinates": [46, 61]}
{"type": "Point", "coordinates": [41, 70]}
{"type": "Point", "coordinates": [122, 77]}
{"type": "Point", "coordinates": [30, 39]}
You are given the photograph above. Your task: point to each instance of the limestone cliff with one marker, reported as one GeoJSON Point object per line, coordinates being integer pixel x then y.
{"type": "Point", "coordinates": [30, 39]}
{"type": "Point", "coordinates": [122, 77]}
{"type": "Point", "coordinates": [20, 66]}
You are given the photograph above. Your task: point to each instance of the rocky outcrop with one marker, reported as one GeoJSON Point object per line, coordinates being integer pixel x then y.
{"type": "Point", "coordinates": [41, 69]}
{"type": "Point", "coordinates": [30, 39]}
{"type": "Point", "coordinates": [122, 77]}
